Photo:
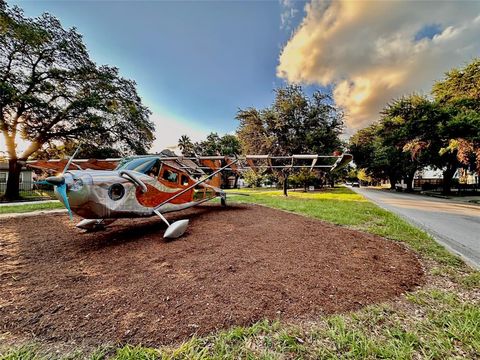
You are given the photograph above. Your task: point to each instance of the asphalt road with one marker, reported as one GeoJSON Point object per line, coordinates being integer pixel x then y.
{"type": "Point", "coordinates": [455, 225]}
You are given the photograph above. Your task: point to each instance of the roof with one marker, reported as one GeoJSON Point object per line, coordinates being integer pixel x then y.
{"type": "Point", "coordinates": [4, 166]}
{"type": "Point", "coordinates": [78, 164]}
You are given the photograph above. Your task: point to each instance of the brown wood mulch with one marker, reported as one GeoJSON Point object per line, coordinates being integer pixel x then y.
{"type": "Point", "coordinates": [234, 266]}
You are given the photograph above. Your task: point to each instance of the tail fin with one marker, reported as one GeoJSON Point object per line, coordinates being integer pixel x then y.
{"type": "Point", "coordinates": [216, 180]}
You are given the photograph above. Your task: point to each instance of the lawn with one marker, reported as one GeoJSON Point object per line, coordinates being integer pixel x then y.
{"type": "Point", "coordinates": [24, 208]}
{"type": "Point", "coordinates": [37, 194]}
{"type": "Point", "coordinates": [439, 320]}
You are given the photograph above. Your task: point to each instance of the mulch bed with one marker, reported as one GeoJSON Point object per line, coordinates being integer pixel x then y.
{"type": "Point", "coordinates": [234, 266]}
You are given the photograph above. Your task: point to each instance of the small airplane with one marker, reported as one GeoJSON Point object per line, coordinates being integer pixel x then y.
{"type": "Point", "coordinates": [152, 185]}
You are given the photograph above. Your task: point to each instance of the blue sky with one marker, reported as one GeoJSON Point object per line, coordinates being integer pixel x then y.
{"type": "Point", "coordinates": [195, 63]}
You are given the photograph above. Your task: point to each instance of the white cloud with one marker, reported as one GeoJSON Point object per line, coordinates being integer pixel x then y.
{"type": "Point", "coordinates": [368, 51]}
{"type": "Point", "coordinates": [288, 13]}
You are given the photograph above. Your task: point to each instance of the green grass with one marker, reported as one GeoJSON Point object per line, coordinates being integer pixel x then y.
{"type": "Point", "coordinates": [24, 208]}
{"type": "Point", "coordinates": [439, 321]}
{"type": "Point", "coordinates": [36, 194]}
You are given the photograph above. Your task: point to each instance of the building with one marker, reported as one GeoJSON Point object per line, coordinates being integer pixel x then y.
{"type": "Point", "coordinates": [432, 179]}
{"type": "Point", "coordinates": [26, 178]}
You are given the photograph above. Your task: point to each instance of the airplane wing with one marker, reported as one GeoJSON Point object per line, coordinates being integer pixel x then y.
{"type": "Point", "coordinates": [199, 164]}
{"type": "Point", "coordinates": [57, 165]}
{"type": "Point", "coordinates": [329, 163]}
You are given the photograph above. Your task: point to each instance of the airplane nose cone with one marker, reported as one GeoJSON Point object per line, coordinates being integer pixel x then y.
{"type": "Point", "coordinates": [56, 180]}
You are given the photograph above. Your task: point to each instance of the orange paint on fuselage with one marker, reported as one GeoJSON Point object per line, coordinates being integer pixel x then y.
{"type": "Point", "coordinates": [154, 197]}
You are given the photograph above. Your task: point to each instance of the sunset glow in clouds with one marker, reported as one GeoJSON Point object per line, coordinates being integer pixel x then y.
{"type": "Point", "coordinates": [374, 51]}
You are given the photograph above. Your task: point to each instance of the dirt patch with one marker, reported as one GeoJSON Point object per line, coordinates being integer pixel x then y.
{"type": "Point", "coordinates": [234, 266]}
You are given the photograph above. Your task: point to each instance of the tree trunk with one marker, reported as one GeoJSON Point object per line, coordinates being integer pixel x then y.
{"type": "Point", "coordinates": [12, 191]}
{"type": "Point", "coordinates": [285, 184]}
{"type": "Point", "coordinates": [235, 184]}
{"type": "Point", "coordinates": [393, 181]}
{"type": "Point", "coordinates": [409, 180]}
{"type": "Point", "coordinates": [447, 179]}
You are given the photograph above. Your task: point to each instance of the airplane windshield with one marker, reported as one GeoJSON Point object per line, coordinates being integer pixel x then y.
{"type": "Point", "coordinates": [142, 165]}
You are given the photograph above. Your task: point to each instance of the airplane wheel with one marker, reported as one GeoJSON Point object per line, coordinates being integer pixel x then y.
{"type": "Point", "coordinates": [223, 201]}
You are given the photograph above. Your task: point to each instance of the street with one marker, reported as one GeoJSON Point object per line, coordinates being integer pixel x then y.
{"type": "Point", "coordinates": [455, 225]}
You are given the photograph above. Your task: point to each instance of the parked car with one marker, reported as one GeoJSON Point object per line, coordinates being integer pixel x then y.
{"type": "Point", "coordinates": [355, 184]}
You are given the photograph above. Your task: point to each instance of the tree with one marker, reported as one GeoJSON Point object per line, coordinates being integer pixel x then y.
{"type": "Point", "coordinates": [304, 177]}
{"type": "Point", "coordinates": [416, 131]}
{"type": "Point", "coordinates": [213, 145]}
{"type": "Point", "coordinates": [252, 178]}
{"type": "Point", "coordinates": [293, 124]}
{"type": "Point", "coordinates": [460, 87]}
{"type": "Point", "coordinates": [252, 132]}
{"type": "Point", "coordinates": [298, 124]}
{"type": "Point", "coordinates": [411, 134]}
{"type": "Point", "coordinates": [377, 159]}
{"type": "Point", "coordinates": [67, 148]}
{"type": "Point", "coordinates": [397, 146]}
{"type": "Point", "coordinates": [459, 94]}
{"type": "Point", "coordinates": [363, 177]}
{"type": "Point", "coordinates": [186, 146]}
{"type": "Point", "coordinates": [51, 92]}
{"type": "Point", "coordinates": [227, 145]}
{"type": "Point", "coordinates": [424, 132]}
{"type": "Point", "coordinates": [402, 125]}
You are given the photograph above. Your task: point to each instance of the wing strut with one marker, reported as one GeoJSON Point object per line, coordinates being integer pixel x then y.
{"type": "Point", "coordinates": [197, 183]}
{"type": "Point", "coordinates": [177, 228]}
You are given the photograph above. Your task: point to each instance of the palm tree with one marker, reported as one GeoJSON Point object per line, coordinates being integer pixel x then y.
{"type": "Point", "coordinates": [186, 146]}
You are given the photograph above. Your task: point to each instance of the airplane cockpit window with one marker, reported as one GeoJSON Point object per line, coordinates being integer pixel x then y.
{"type": "Point", "coordinates": [170, 176]}
{"type": "Point", "coordinates": [142, 165]}
{"type": "Point", "coordinates": [184, 180]}
{"type": "Point", "coordinates": [154, 170]}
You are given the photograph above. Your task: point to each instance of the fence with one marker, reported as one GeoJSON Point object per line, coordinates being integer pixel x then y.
{"type": "Point", "coordinates": [437, 185]}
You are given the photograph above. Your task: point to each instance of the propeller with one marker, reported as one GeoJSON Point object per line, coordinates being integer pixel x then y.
{"type": "Point", "coordinates": [60, 184]}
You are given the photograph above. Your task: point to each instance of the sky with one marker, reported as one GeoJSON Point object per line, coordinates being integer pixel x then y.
{"type": "Point", "coordinates": [197, 62]}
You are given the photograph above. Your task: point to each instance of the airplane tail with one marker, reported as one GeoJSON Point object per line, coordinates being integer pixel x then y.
{"type": "Point", "coordinates": [216, 180]}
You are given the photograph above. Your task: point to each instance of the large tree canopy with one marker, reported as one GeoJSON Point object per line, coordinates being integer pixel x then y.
{"type": "Point", "coordinates": [52, 92]}
{"type": "Point", "coordinates": [407, 138]}
{"type": "Point", "coordinates": [459, 94]}
{"type": "Point", "coordinates": [417, 131]}
{"type": "Point", "coordinates": [294, 124]}
{"type": "Point", "coordinates": [214, 144]}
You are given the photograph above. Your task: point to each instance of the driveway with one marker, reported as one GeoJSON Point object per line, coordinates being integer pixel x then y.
{"type": "Point", "coordinates": [455, 225]}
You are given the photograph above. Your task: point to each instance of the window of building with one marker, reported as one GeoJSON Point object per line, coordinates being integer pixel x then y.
{"type": "Point", "coordinates": [169, 175]}
{"type": "Point", "coordinates": [3, 177]}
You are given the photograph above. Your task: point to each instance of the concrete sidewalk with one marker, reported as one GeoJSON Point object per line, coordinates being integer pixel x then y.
{"type": "Point", "coordinates": [33, 213]}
